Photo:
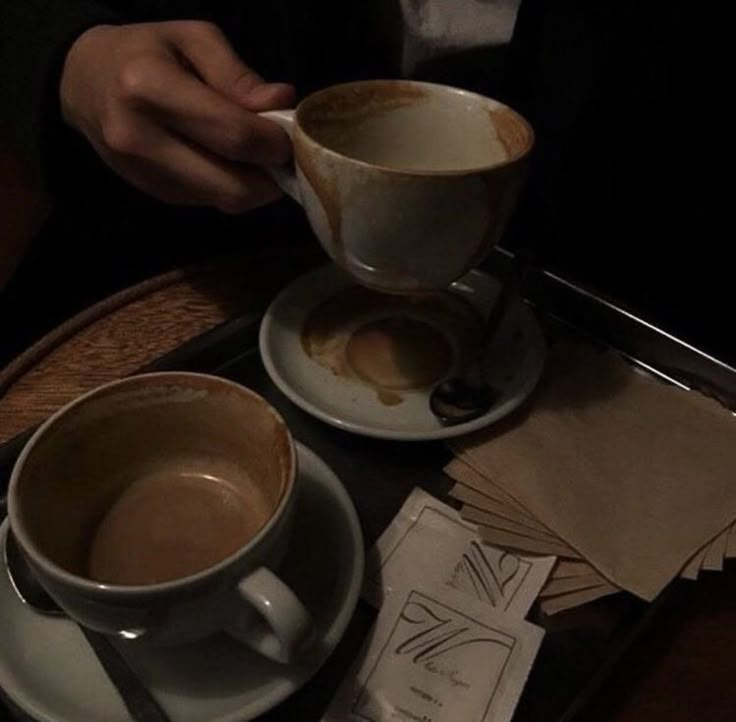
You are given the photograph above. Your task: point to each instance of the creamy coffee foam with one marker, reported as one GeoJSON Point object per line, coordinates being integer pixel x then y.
{"type": "Point", "coordinates": [167, 525]}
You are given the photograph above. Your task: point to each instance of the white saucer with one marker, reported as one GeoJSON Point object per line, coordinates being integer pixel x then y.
{"type": "Point", "coordinates": [515, 363]}
{"type": "Point", "coordinates": [49, 671]}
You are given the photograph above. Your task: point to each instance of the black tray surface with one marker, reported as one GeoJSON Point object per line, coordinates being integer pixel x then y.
{"type": "Point", "coordinates": [580, 646]}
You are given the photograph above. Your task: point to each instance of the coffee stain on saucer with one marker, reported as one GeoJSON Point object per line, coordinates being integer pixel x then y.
{"type": "Point", "coordinates": [392, 344]}
{"type": "Point", "coordinates": [389, 398]}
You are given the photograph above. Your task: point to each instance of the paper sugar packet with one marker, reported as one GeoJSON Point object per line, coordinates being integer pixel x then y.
{"type": "Point", "coordinates": [438, 655]}
{"type": "Point", "coordinates": [428, 543]}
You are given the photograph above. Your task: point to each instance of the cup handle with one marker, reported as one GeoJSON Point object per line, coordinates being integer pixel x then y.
{"type": "Point", "coordinates": [285, 176]}
{"type": "Point", "coordinates": [285, 627]}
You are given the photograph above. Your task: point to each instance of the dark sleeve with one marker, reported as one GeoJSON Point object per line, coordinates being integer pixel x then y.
{"type": "Point", "coordinates": [35, 36]}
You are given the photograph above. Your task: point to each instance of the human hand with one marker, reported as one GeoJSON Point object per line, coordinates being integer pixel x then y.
{"type": "Point", "coordinates": [171, 108]}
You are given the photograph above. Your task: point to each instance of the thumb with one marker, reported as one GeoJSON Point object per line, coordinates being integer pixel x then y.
{"type": "Point", "coordinates": [211, 56]}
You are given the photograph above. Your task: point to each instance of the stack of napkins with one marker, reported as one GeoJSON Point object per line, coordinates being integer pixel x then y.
{"type": "Point", "coordinates": [450, 641]}
{"type": "Point", "coordinates": [628, 480]}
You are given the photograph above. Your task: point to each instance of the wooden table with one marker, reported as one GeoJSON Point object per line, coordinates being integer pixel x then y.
{"type": "Point", "coordinates": [681, 670]}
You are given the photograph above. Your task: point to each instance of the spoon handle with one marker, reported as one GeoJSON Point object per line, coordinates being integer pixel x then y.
{"type": "Point", "coordinates": [141, 704]}
{"type": "Point", "coordinates": [510, 288]}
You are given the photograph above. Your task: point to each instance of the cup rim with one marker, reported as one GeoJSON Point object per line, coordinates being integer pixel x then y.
{"type": "Point", "coordinates": [406, 172]}
{"type": "Point", "coordinates": [69, 579]}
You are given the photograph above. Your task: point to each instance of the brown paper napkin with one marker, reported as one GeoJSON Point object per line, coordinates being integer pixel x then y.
{"type": "Point", "coordinates": [484, 507]}
{"type": "Point", "coordinates": [567, 568]}
{"type": "Point", "coordinates": [731, 544]}
{"type": "Point", "coordinates": [481, 516]}
{"type": "Point", "coordinates": [498, 516]}
{"type": "Point", "coordinates": [486, 504]}
{"type": "Point", "coordinates": [521, 543]}
{"type": "Point", "coordinates": [633, 475]}
{"type": "Point", "coordinates": [716, 554]}
{"type": "Point", "coordinates": [554, 605]}
{"type": "Point", "coordinates": [692, 569]}
{"type": "Point", "coordinates": [472, 498]}
{"type": "Point", "coordinates": [556, 587]}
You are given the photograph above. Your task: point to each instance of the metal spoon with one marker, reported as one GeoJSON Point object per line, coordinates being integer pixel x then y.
{"type": "Point", "coordinates": [134, 694]}
{"type": "Point", "coordinates": [467, 397]}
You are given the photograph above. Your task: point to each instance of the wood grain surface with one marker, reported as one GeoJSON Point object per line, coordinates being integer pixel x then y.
{"type": "Point", "coordinates": [123, 333]}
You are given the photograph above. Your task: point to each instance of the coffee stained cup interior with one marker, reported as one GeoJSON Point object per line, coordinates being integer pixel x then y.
{"type": "Point", "coordinates": [407, 185]}
{"type": "Point", "coordinates": [413, 127]}
{"type": "Point", "coordinates": [154, 484]}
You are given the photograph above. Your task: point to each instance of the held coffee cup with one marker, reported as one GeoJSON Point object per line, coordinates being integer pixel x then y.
{"type": "Point", "coordinates": [159, 506]}
{"type": "Point", "coordinates": [407, 185]}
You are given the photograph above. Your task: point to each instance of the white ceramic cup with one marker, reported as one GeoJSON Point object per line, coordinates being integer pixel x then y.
{"type": "Point", "coordinates": [407, 185]}
{"type": "Point", "coordinates": [192, 427]}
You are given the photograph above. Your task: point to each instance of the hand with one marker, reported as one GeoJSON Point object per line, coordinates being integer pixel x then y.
{"type": "Point", "coordinates": [172, 109]}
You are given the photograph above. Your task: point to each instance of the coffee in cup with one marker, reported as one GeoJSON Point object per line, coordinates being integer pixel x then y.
{"type": "Point", "coordinates": [170, 523]}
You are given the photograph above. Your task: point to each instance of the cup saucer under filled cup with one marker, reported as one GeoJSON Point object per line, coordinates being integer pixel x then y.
{"type": "Point", "coordinates": [48, 670]}
{"type": "Point", "coordinates": [366, 362]}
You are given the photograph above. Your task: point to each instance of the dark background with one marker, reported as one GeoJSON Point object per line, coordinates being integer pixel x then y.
{"type": "Point", "coordinates": [629, 192]}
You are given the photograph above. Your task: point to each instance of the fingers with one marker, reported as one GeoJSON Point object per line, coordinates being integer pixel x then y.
{"type": "Point", "coordinates": [270, 96]}
{"type": "Point", "coordinates": [172, 109]}
{"type": "Point", "coordinates": [209, 52]}
{"type": "Point", "coordinates": [200, 114]}
{"type": "Point", "coordinates": [173, 171]}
